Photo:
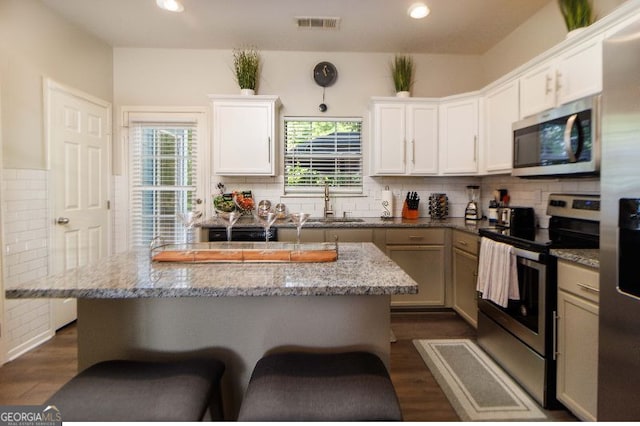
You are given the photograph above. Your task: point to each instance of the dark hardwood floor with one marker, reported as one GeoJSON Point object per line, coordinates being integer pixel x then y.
{"type": "Point", "coordinates": [33, 377]}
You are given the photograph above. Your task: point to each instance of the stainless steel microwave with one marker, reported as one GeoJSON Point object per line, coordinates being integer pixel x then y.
{"type": "Point", "coordinates": [561, 141]}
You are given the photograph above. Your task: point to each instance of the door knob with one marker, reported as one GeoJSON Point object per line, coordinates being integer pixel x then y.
{"type": "Point", "coordinates": [62, 220]}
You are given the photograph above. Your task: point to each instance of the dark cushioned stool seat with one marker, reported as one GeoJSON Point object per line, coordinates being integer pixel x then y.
{"type": "Point", "coordinates": [293, 386]}
{"type": "Point", "coordinates": [142, 391]}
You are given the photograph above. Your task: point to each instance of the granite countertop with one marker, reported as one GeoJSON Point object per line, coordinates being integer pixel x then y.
{"type": "Point", "coordinates": [587, 257]}
{"type": "Point", "coordinates": [361, 269]}
{"type": "Point", "coordinates": [368, 222]}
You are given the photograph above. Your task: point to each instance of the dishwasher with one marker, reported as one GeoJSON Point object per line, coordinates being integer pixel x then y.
{"type": "Point", "coordinates": [242, 233]}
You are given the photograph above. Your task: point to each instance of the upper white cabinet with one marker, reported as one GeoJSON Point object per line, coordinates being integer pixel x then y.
{"type": "Point", "coordinates": [501, 110]}
{"type": "Point", "coordinates": [573, 74]}
{"type": "Point", "coordinates": [244, 134]}
{"type": "Point", "coordinates": [459, 135]}
{"type": "Point", "coordinates": [404, 137]}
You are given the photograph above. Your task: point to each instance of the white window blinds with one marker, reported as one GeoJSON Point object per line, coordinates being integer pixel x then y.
{"type": "Point", "coordinates": [322, 150]}
{"type": "Point", "coordinates": [164, 179]}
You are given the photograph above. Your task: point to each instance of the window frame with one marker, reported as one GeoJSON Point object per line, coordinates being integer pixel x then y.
{"type": "Point", "coordinates": [292, 191]}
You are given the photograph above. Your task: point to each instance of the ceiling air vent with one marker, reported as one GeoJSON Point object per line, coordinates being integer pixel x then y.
{"type": "Point", "coordinates": [318, 22]}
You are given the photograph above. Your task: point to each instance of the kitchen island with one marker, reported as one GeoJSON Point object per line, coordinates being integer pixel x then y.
{"type": "Point", "coordinates": [130, 307]}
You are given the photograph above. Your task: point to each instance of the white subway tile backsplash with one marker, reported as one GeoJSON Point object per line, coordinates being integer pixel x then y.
{"type": "Point", "coordinates": [25, 213]}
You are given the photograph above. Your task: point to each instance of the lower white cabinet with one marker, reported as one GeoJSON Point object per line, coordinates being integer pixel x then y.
{"type": "Point", "coordinates": [421, 254]}
{"type": "Point", "coordinates": [577, 334]}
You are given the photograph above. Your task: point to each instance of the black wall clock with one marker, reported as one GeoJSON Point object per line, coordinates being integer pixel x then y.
{"type": "Point", "coordinates": [325, 74]}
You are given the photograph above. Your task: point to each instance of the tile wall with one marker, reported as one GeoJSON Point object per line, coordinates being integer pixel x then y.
{"type": "Point", "coordinates": [25, 212]}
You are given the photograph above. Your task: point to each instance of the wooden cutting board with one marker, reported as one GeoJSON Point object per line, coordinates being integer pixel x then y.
{"type": "Point", "coordinates": [245, 255]}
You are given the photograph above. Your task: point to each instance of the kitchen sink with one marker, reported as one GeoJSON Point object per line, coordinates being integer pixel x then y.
{"type": "Point", "coordinates": [334, 220]}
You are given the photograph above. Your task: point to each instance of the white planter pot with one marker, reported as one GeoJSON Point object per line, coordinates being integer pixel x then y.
{"type": "Point", "coordinates": [575, 32]}
{"type": "Point", "coordinates": [247, 92]}
{"type": "Point", "coordinates": [404, 94]}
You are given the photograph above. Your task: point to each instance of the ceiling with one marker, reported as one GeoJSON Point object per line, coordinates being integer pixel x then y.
{"type": "Point", "coordinates": [454, 26]}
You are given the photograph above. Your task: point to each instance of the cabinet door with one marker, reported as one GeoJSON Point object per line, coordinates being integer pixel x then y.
{"type": "Point", "coordinates": [580, 71]}
{"type": "Point", "coordinates": [307, 235]}
{"type": "Point", "coordinates": [577, 386]}
{"type": "Point", "coordinates": [502, 106]}
{"type": "Point", "coordinates": [459, 137]}
{"type": "Point", "coordinates": [465, 273]}
{"type": "Point", "coordinates": [389, 144]}
{"type": "Point", "coordinates": [243, 138]}
{"type": "Point", "coordinates": [422, 137]}
{"type": "Point", "coordinates": [425, 264]}
{"type": "Point", "coordinates": [537, 89]}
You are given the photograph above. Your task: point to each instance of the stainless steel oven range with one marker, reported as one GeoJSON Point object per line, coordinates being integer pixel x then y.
{"type": "Point", "coordinates": [521, 337]}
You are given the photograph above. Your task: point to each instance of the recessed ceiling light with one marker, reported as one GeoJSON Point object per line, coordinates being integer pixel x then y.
{"type": "Point", "coordinates": [170, 5]}
{"type": "Point", "coordinates": [418, 10]}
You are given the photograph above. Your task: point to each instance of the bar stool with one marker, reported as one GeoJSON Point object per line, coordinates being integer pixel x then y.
{"type": "Point", "coordinates": [297, 386]}
{"type": "Point", "coordinates": [125, 391]}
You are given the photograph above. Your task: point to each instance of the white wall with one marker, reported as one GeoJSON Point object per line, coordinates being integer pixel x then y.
{"type": "Point", "coordinates": [35, 43]}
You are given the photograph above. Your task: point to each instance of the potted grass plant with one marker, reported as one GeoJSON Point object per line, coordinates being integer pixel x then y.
{"type": "Point", "coordinates": [577, 14]}
{"type": "Point", "coordinates": [246, 63]}
{"type": "Point", "coordinates": [402, 74]}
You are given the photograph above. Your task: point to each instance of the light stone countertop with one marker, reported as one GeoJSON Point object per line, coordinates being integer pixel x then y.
{"type": "Point", "coordinates": [361, 269]}
{"type": "Point", "coordinates": [587, 257]}
{"type": "Point", "coordinates": [368, 222]}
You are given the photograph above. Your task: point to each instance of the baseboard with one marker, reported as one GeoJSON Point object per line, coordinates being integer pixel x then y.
{"type": "Point", "coordinates": [32, 343]}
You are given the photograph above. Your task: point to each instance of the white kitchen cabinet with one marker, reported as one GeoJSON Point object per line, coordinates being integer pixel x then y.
{"type": "Point", "coordinates": [572, 75]}
{"type": "Point", "coordinates": [465, 274]}
{"type": "Point", "coordinates": [458, 143]}
{"type": "Point", "coordinates": [404, 137]}
{"type": "Point", "coordinates": [577, 326]}
{"type": "Point", "coordinates": [501, 110]}
{"type": "Point", "coordinates": [421, 254]}
{"type": "Point", "coordinates": [244, 134]}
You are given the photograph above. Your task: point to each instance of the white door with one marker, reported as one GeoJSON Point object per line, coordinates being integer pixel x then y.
{"type": "Point", "coordinates": [79, 146]}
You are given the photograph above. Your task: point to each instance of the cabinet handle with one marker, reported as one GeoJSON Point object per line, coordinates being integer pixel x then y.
{"type": "Point", "coordinates": [558, 81]}
{"type": "Point", "coordinates": [556, 317]}
{"type": "Point", "coordinates": [269, 141]}
{"type": "Point", "coordinates": [586, 287]}
{"type": "Point", "coordinates": [416, 237]}
{"type": "Point", "coordinates": [462, 243]}
{"type": "Point", "coordinates": [475, 148]}
{"type": "Point", "coordinates": [413, 151]}
{"type": "Point", "coordinates": [547, 89]}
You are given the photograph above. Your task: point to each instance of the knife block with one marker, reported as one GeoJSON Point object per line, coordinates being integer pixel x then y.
{"type": "Point", "coordinates": [408, 213]}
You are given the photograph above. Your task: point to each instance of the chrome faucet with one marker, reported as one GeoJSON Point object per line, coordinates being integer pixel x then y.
{"type": "Point", "coordinates": [328, 211]}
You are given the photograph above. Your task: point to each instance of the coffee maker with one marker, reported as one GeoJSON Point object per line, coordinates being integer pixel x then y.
{"type": "Point", "coordinates": [472, 211]}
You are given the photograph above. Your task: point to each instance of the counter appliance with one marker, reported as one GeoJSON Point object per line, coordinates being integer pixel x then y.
{"type": "Point", "coordinates": [619, 335]}
{"type": "Point", "coordinates": [520, 336]}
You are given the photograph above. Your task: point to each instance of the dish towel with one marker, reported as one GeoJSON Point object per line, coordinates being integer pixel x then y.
{"type": "Point", "coordinates": [497, 272]}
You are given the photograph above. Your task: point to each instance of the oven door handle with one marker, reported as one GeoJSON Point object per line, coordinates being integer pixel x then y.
{"type": "Point", "coordinates": [531, 255]}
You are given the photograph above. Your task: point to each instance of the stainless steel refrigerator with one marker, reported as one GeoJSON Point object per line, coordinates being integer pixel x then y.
{"type": "Point", "coordinates": [619, 342]}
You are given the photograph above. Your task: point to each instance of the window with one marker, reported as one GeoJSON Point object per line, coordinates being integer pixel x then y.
{"type": "Point", "coordinates": [322, 151]}
{"type": "Point", "coordinates": [164, 179]}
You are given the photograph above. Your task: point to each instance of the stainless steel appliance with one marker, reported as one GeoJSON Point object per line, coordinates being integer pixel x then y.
{"type": "Point", "coordinates": [242, 233]}
{"type": "Point", "coordinates": [473, 211]}
{"type": "Point", "coordinates": [619, 338]}
{"type": "Point", "coordinates": [516, 217]}
{"type": "Point", "coordinates": [562, 141]}
{"type": "Point", "coordinates": [520, 337]}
